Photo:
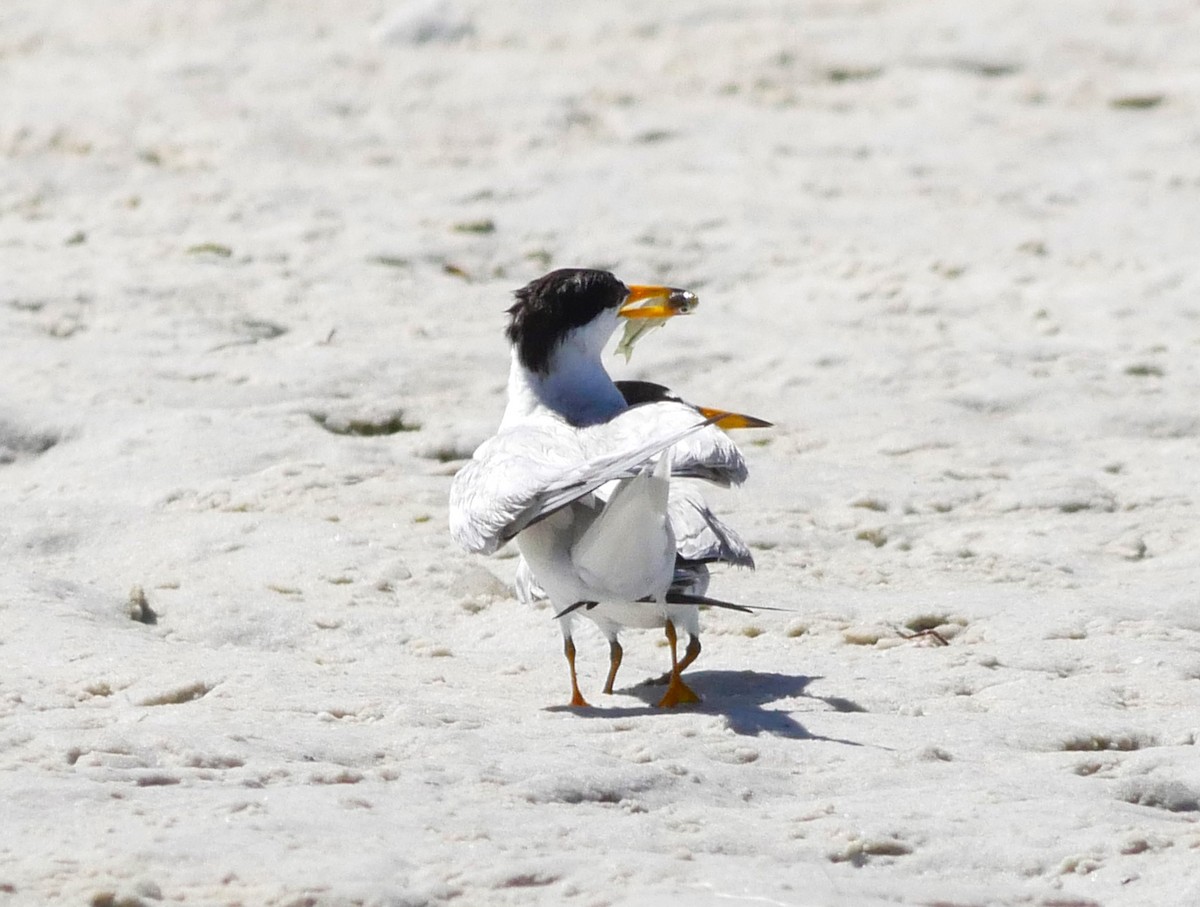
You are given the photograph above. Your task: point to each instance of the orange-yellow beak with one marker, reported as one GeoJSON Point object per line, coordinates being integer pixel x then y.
{"type": "Point", "coordinates": [657, 302]}
{"type": "Point", "coordinates": [728, 420]}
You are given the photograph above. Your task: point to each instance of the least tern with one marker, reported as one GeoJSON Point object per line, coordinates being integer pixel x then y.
{"type": "Point", "coordinates": [582, 479]}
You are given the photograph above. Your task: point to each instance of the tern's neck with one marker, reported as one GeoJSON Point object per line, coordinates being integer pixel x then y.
{"type": "Point", "coordinates": [576, 387]}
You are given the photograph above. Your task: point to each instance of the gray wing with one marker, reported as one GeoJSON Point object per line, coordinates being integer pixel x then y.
{"type": "Point", "coordinates": [504, 477]}
{"type": "Point", "coordinates": [700, 536]}
{"type": "Point", "coordinates": [526, 473]}
{"type": "Point", "coordinates": [707, 454]}
{"type": "Point", "coordinates": [711, 456]}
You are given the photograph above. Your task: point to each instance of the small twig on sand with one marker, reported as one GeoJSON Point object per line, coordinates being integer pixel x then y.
{"type": "Point", "coordinates": [938, 638]}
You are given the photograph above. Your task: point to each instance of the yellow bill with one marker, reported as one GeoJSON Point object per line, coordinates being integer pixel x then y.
{"type": "Point", "coordinates": [647, 307]}
{"type": "Point", "coordinates": [728, 421]}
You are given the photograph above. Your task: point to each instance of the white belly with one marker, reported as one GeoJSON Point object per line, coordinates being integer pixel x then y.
{"type": "Point", "coordinates": [614, 552]}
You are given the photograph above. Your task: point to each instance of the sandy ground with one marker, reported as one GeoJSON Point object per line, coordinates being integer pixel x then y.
{"type": "Point", "coordinates": [949, 248]}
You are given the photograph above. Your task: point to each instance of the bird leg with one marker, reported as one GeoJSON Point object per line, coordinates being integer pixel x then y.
{"type": "Point", "coordinates": [690, 654]}
{"type": "Point", "coordinates": [615, 654]}
{"type": "Point", "coordinates": [577, 699]}
{"type": "Point", "coordinates": [677, 692]}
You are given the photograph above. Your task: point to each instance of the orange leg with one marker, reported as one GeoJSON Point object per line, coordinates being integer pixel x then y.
{"type": "Point", "coordinates": [678, 692]}
{"type": "Point", "coordinates": [691, 653]}
{"type": "Point", "coordinates": [615, 653]}
{"type": "Point", "coordinates": [576, 697]}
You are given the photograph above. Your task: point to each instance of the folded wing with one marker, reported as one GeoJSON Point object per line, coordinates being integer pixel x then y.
{"type": "Point", "coordinates": [706, 454]}
{"type": "Point", "coordinates": [526, 473]}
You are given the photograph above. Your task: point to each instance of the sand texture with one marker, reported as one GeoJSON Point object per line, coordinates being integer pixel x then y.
{"type": "Point", "coordinates": [254, 261]}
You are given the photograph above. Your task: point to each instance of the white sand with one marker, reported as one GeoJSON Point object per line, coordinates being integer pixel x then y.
{"type": "Point", "coordinates": [950, 248]}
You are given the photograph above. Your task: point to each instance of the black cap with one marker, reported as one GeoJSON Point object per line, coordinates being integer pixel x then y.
{"type": "Point", "coordinates": [549, 307]}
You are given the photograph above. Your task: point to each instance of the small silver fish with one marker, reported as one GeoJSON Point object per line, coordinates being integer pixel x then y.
{"type": "Point", "coordinates": [680, 302]}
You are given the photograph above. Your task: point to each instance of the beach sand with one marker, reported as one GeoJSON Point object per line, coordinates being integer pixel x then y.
{"type": "Point", "coordinates": [255, 264]}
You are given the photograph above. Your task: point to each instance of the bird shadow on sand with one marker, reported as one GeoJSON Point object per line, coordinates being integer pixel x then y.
{"type": "Point", "coordinates": [741, 697]}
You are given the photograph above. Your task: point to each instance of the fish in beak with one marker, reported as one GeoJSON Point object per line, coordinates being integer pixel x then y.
{"type": "Point", "coordinates": [648, 307]}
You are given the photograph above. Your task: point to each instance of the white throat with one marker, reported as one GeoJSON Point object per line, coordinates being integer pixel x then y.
{"type": "Point", "coordinates": [576, 386]}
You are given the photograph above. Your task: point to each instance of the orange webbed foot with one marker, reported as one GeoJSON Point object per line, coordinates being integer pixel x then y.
{"type": "Point", "coordinates": [678, 693]}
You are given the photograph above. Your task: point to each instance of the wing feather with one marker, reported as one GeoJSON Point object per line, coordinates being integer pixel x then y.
{"type": "Point", "coordinates": [707, 454]}
{"type": "Point", "coordinates": [526, 473]}
{"type": "Point", "coordinates": [700, 536]}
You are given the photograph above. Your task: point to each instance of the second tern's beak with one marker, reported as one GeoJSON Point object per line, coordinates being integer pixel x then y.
{"type": "Point", "coordinates": [657, 302]}
{"type": "Point", "coordinates": [727, 420]}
